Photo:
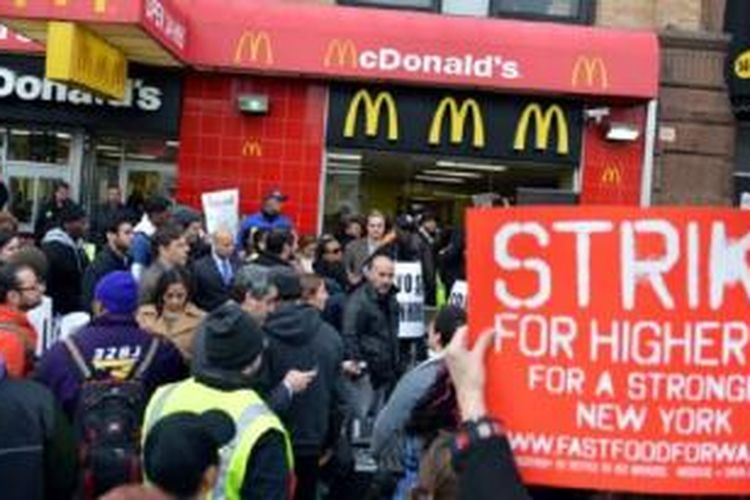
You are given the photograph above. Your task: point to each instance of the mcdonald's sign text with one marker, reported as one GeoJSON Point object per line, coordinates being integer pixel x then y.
{"type": "Point", "coordinates": [253, 46]}
{"type": "Point", "coordinates": [408, 119]}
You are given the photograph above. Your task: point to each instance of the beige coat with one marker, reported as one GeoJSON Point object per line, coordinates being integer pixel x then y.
{"type": "Point", "coordinates": [179, 331]}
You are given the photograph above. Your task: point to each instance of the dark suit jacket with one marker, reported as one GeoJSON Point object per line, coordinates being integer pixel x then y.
{"type": "Point", "coordinates": [210, 290]}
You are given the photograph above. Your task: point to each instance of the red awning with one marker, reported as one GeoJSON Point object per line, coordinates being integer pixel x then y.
{"type": "Point", "coordinates": [335, 42]}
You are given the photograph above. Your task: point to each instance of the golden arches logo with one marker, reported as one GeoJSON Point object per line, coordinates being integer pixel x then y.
{"type": "Point", "coordinates": [252, 148]}
{"type": "Point", "coordinates": [742, 65]}
{"type": "Point", "coordinates": [343, 51]}
{"type": "Point", "coordinates": [251, 45]}
{"type": "Point", "coordinates": [542, 125]}
{"type": "Point", "coordinates": [458, 116]}
{"type": "Point", "coordinates": [373, 108]}
{"type": "Point", "coordinates": [611, 175]}
{"type": "Point", "coordinates": [590, 69]}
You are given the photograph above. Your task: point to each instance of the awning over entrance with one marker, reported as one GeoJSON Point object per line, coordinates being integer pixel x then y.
{"type": "Point", "coordinates": [147, 31]}
{"type": "Point", "coordinates": [335, 42]}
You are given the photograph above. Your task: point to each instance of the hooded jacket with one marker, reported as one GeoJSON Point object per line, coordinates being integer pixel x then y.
{"type": "Point", "coordinates": [299, 339]}
{"type": "Point", "coordinates": [67, 263]}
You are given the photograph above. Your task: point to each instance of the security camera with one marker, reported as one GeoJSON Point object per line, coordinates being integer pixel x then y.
{"type": "Point", "coordinates": [596, 114]}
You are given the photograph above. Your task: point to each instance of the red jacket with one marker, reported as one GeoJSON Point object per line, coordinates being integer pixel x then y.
{"type": "Point", "coordinates": [18, 341]}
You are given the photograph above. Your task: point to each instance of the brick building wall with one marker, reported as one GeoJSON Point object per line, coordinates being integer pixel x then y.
{"type": "Point", "coordinates": [696, 138]}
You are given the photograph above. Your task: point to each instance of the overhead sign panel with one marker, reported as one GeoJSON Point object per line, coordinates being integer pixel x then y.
{"type": "Point", "coordinates": [78, 57]}
{"type": "Point", "coordinates": [452, 123]}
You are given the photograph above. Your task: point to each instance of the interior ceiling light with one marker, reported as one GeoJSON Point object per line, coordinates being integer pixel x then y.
{"type": "Point", "coordinates": [439, 180]}
{"type": "Point", "coordinates": [345, 156]}
{"type": "Point", "coordinates": [453, 173]}
{"type": "Point", "coordinates": [350, 166]}
{"type": "Point", "coordinates": [482, 167]}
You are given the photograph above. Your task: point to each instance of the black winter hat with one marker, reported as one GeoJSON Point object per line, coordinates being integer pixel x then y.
{"type": "Point", "coordinates": [233, 339]}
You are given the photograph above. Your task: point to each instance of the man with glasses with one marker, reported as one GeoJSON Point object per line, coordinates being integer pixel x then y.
{"type": "Point", "coordinates": [20, 291]}
{"type": "Point", "coordinates": [329, 261]}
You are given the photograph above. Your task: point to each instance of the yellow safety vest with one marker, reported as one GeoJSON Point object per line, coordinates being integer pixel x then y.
{"type": "Point", "coordinates": [251, 416]}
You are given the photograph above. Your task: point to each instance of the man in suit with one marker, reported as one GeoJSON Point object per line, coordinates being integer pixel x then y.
{"type": "Point", "coordinates": [359, 251]}
{"type": "Point", "coordinates": [213, 274]}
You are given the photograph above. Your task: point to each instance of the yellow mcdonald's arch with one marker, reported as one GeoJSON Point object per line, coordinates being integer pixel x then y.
{"type": "Point", "coordinates": [611, 175]}
{"type": "Point", "coordinates": [251, 44]}
{"type": "Point", "coordinates": [591, 69]}
{"type": "Point", "coordinates": [344, 51]}
{"type": "Point", "coordinates": [252, 148]}
{"type": "Point", "coordinates": [373, 108]}
{"type": "Point", "coordinates": [458, 116]}
{"type": "Point", "coordinates": [543, 123]}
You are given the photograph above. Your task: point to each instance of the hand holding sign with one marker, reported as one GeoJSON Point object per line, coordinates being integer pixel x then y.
{"type": "Point", "coordinates": [467, 369]}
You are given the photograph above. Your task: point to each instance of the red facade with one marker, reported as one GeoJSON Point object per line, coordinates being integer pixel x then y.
{"type": "Point", "coordinates": [222, 148]}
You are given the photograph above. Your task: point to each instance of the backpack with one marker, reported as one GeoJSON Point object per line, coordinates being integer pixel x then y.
{"type": "Point", "coordinates": [108, 425]}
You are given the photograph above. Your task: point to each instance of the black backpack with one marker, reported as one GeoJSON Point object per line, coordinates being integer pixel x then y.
{"type": "Point", "coordinates": [108, 425]}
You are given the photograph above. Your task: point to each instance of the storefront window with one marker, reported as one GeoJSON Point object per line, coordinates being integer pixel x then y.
{"type": "Point", "coordinates": [574, 11]}
{"type": "Point", "coordinates": [39, 146]}
{"type": "Point", "coordinates": [22, 199]}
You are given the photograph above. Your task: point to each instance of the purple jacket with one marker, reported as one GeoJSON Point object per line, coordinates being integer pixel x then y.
{"type": "Point", "coordinates": [112, 346]}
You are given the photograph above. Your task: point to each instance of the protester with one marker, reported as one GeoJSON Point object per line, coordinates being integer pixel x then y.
{"type": "Point", "coordinates": [171, 250]}
{"type": "Point", "coordinates": [63, 247]}
{"type": "Point", "coordinates": [181, 454]}
{"type": "Point", "coordinates": [37, 452]}
{"type": "Point", "coordinates": [261, 466]}
{"type": "Point", "coordinates": [8, 222]}
{"type": "Point", "coordinates": [192, 223]}
{"type": "Point", "coordinates": [358, 251]}
{"type": "Point", "coordinates": [390, 440]}
{"type": "Point", "coordinates": [299, 339]}
{"type": "Point", "coordinates": [111, 347]}
{"type": "Point", "coordinates": [483, 458]}
{"type": "Point", "coordinates": [50, 211]}
{"type": "Point", "coordinates": [452, 260]}
{"type": "Point", "coordinates": [105, 215]}
{"type": "Point", "coordinates": [305, 255]}
{"type": "Point", "coordinates": [9, 246]}
{"type": "Point", "coordinates": [353, 228]}
{"type": "Point", "coordinates": [114, 256]}
{"type": "Point", "coordinates": [426, 244]}
{"type": "Point", "coordinates": [20, 291]}
{"type": "Point", "coordinates": [329, 261]}
{"type": "Point", "coordinates": [370, 333]}
{"type": "Point", "coordinates": [277, 250]}
{"type": "Point", "coordinates": [213, 274]}
{"type": "Point", "coordinates": [156, 215]}
{"type": "Point", "coordinates": [269, 217]}
{"type": "Point", "coordinates": [173, 316]}
{"type": "Point", "coordinates": [253, 244]}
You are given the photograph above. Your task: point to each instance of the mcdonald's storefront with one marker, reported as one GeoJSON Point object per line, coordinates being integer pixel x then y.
{"type": "Point", "coordinates": [405, 110]}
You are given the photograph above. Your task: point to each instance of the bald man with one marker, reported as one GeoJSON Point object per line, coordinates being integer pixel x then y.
{"type": "Point", "coordinates": [213, 273]}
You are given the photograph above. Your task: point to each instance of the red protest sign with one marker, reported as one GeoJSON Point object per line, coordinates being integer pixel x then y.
{"type": "Point", "coordinates": [622, 344]}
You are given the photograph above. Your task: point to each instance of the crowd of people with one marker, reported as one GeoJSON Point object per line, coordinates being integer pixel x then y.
{"type": "Point", "coordinates": [235, 365]}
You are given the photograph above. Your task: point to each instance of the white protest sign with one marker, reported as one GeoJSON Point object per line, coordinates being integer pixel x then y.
{"type": "Point", "coordinates": [41, 320]}
{"type": "Point", "coordinates": [410, 299]}
{"type": "Point", "coordinates": [459, 294]}
{"type": "Point", "coordinates": [222, 210]}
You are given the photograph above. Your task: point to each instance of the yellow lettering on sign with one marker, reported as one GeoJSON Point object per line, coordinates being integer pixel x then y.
{"type": "Point", "coordinates": [591, 70]}
{"type": "Point", "coordinates": [458, 116]}
{"type": "Point", "coordinates": [742, 65]}
{"type": "Point", "coordinates": [251, 44]}
{"type": "Point", "coordinates": [373, 108]}
{"type": "Point", "coordinates": [543, 124]}
{"type": "Point", "coordinates": [252, 148]}
{"type": "Point", "coordinates": [344, 52]}
{"type": "Point", "coordinates": [79, 57]}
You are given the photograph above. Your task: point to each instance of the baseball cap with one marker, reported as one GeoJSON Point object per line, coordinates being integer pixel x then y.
{"type": "Point", "coordinates": [277, 194]}
{"type": "Point", "coordinates": [182, 446]}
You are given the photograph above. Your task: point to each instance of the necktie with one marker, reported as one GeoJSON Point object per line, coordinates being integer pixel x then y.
{"type": "Point", "coordinates": [226, 271]}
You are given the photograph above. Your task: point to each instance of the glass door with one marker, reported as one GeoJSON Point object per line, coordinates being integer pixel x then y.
{"type": "Point", "coordinates": [140, 180]}
{"type": "Point", "coordinates": [33, 160]}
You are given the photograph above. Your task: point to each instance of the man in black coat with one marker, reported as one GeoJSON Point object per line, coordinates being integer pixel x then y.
{"type": "Point", "coordinates": [113, 257]}
{"type": "Point", "coordinates": [105, 214]}
{"type": "Point", "coordinates": [427, 249]}
{"type": "Point", "coordinates": [49, 213]}
{"type": "Point", "coordinates": [67, 261]}
{"type": "Point", "coordinates": [213, 274]}
{"type": "Point", "coordinates": [298, 339]}
{"type": "Point", "coordinates": [370, 330]}
{"type": "Point", "coordinates": [37, 451]}
{"type": "Point", "coordinates": [277, 250]}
